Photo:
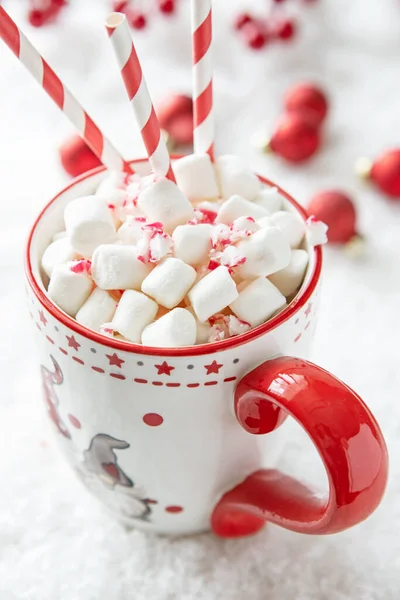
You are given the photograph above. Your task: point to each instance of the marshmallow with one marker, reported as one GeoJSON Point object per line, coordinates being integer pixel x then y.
{"type": "Point", "coordinates": [98, 309]}
{"type": "Point", "coordinates": [209, 206]}
{"type": "Point", "coordinates": [195, 176]}
{"type": "Point", "coordinates": [131, 231]}
{"type": "Point", "coordinates": [266, 251]}
{"type": "Point", "coordinates": [289, 279]}
{"type": "Point", "coordinates": [316, 231]}
{"type": "Point", "coordinates": [192, 243]}
{"type": "Point", "coordinates": [113, 181]}
{"type": "Point", "coordinates": [57, 253]}
{"type": "Point", "coordinates": [203, 330]}
{"type": "Point", "coordinates": [116, 267]}
{"type": "Point", "coordinates": [169, 282]}
{"type": "Point", "coordinates": [164, 202]}
{"type": "Point", "coordinates": [257, 301]}
{"type": "Point", "coordinates": [247, 224]}
{"type": "Point", "coordinates": [264, 222]}
{"type": "Point", "coordinates": [59, 235]}
{"type": "Point", "coordinates": [290, 225]}
{"type": "Point", "coordinates": [134, 312]}
{"type": "Point", "coordinates": [213, 293]}
{"type": "Point", "coordinates": [270, 199]}
{"type": "Point", "coordinates": [69, 290]}
{"type": "Point", "coordinates": [237, 207]}
{"type": "Point", "coordinates": [176, 328]}
{"type": "Point", "coordinates": [235, 178]}
{"type": "Point", "coordinates": [89, 223]}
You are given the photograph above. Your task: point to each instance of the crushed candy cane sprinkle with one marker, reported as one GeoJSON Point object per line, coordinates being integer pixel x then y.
{"type": "Point", "coordinates": [148, 261]}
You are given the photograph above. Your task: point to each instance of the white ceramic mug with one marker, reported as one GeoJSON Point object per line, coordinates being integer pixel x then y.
{"type": "Point", "coordinates": [176, 441]}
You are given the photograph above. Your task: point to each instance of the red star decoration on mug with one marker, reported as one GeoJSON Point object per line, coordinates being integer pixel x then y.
{"type": "Point", "coordinates": [42, 318]}
{"type": "Point", "coordinates": [164, 368]}
{"type": "Point", "coordinates": [308, 309]}
{"type": "Point", "coordinates": [213, 368]}
{"type": "Point", "coordinates": [72, 343]}
{"type": "Point", "coordinates": [115, 360]}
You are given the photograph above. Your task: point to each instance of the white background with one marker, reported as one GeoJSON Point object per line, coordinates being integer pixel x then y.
{"type": "Point", "coordinates": [55, 541]}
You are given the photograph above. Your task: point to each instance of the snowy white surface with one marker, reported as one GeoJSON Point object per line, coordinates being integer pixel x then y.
{"type": "Point", "coordinates": [56, 543]}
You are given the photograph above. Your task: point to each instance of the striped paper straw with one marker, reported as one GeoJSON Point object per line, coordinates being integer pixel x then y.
{"type": "Point", "coordinates": [203, 116]}
{"type": "Point", "coordinates": [138, 94]}
{"type": "Point", "coordinates": [45, 76]}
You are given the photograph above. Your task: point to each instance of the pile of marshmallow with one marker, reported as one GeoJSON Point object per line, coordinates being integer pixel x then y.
{"type": "Point", "coordinates": [151, 262]}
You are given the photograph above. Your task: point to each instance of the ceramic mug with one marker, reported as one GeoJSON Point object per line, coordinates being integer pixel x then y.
{"type": "Point", "coordinates": [178, 440]}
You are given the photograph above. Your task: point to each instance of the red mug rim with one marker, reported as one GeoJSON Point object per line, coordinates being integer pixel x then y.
{"type": "Point", "coordinates": [297, 303]}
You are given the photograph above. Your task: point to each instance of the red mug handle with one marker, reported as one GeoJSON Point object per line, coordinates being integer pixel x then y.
{"type": "Point", "coordinates": [345, 434]}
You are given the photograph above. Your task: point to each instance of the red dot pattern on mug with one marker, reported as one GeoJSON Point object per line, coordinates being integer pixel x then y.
{"type": "Point", "coordinates": [153, 419]}
{"type": "Point", "coordinates": [207, 374]}
{"type": "Point", "coordinates": [174, 509]}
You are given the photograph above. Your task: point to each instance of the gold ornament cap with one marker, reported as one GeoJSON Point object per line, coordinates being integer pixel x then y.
{"type": "Point", "coordinates": [363, 167]}
{"type": "Point", "coordinates": [261, 142]}
{"type": "Point", "coordinates": [355, 248]}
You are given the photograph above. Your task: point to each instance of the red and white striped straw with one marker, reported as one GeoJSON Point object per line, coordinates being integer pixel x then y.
{"type": "Point", "coordinates": [138, 94]}
{"type": "Point", "coordinates": [203, 114]}
{"type": "Point", "coordinates": [45, 76]}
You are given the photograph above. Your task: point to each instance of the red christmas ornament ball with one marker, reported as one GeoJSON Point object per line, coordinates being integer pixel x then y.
{"type": "Point", "coordinates": [175, 115]}
{"type": "Point", "coordinates": [76, 156]}
{"type": "Point", "coordinates": [296, 138]}
{"type": "Point", "coordinates": [308, 99]}
{"type": "Point", "coordinates": [337, 210]}
{"type": "Point", "coordinates": [385, 173]}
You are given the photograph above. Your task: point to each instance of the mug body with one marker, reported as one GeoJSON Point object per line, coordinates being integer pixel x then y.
{"type": "Point", "coordinates": [151, 432]}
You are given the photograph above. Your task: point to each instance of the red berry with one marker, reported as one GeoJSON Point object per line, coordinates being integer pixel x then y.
{"type": "Point", "coordinates": [385, 173]}
{"type": "Point", "coordinates": [296, 138]}
{"type": "Point", "coordinates": [286, 30]}
{"type": "Point", "coordinates": [308, 98]}
{"type": "Point", "coordinates": [166, 6]}
{"type": "Point", "coordinates": [254, 35]}
{"type": "Point", "coordinates": [137, 20]}
{"type": "Point", "coordinates": [336, 210]}
{"type": "Point", "coordinates": [76, 156]}
{"type": "Point", "coordinates": [241, 20]}
{"type": "Point", "coordinates": [36, 18]}
{"type": "Point", "coordinates": [40, 16]}
{"type": "Point", "coordinates": [120, 6]}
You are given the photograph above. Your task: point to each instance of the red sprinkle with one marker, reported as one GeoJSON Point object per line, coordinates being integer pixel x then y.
{"type": "Point", "coordinates": [213, 264]}
{"type": "Point", "coordinates": [137, 20]}
{"type": "Point", "coordinates": [81, 266]}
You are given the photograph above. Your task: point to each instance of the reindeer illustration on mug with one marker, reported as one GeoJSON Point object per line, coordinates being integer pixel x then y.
{"type": "Point", "coordinates": [98, 467]}
{"type": "Point", "coordinates": [50, 379]}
